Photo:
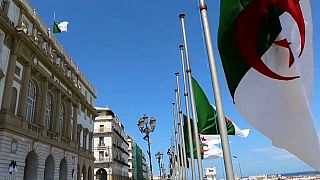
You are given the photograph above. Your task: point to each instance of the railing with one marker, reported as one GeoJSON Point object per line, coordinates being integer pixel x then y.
{"type": "Point", "coordinates": [52, 135]}
{"type": "Point", "coordinates": [35, 128]}
{"type": "Point", "coordinates": [121, 162]}
{"type": "Point", "coordinates": [124, 140]}
{"type": "Point", "coordinates": [65, 140]}
{"type": "Point", "coordinates": [103, 160]}
{"type": "Point", "coordinates": [102, 130]}
{"type": "Point", "coordinates": [124, 151]}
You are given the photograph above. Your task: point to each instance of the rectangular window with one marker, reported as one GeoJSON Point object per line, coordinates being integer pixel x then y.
{"type": "Point", "coordinates": [101, 128]}
{"type": "Point", "coordinates": [101, 141]}
{"type": "Point", "coordinates": [101, 155]}
{"type": "Point", "coordinates": [17, 71]}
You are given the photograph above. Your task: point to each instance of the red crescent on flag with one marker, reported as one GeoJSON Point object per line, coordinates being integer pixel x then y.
{"type": "Point", "coordinates": [202, 145]}
{"type": "Point", "coordinates": [249, 25]}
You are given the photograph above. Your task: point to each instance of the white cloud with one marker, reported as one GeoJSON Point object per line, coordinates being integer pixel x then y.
{"type": "Point", "coordinates": [283, 156]}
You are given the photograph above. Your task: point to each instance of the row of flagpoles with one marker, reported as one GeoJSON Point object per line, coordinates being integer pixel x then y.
{"type": "Point", "coordinates": [286, 97]}
{"type": "Point", "coordinates": [180, 169]}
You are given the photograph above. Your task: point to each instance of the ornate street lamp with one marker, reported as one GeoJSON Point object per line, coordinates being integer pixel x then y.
{"type": "Point", "coordinates": [171, 161]}
{"type": "Point", "coordinates": [159, 156]}
{"type": "Point", "coordinates": [145, 126]}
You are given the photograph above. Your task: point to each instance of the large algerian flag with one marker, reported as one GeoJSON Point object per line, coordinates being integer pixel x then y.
{"type": "Point", "coordinates": [60, 27]}
{"type": "Point", "coordinates": [208, 148]}
{"type": "Point", "coordinates": [207, 115]}
{"type": "Point", "coordinates": [266, 48]}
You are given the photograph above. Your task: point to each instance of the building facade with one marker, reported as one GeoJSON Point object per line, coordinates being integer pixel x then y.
{"type": "Point", "coordinates": [46, 104]}
{"type": "Point", "coordinates": [138, 169]}
{"type": "Point", "coordinates": [110, 147]}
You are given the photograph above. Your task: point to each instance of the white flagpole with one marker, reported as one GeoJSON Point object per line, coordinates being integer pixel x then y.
{"type": "Point", "coordinates": [193, 107]}
{"type": "Point", "coordinates": [184, 155]}
{"type": "Point", "coordinates": [216, 91]}
{"type": "Point", "coordinates": [54, 15]}
{"type": "Point", "coordinates": [176, 128]}
{"type": "Point", "coordinates": [174, 145]}
{"type": "Point", "coordinates": [183, 149]}
{"type": "Point", "coordinates": [187, 109]}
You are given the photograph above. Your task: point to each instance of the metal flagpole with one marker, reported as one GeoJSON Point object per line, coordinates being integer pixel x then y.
{"type": "Point", "coordinates": [54, 15]}
{"type": "Point", "coordinates": [173, 159]}
{"type": "Point", "coordinates": [173, 145]}
{"type": "Point", "coordinates": [184, 155]}
{"type": "Point", "coordinates": [193, 107]}
{"type": "Point", "coordinates": [187, 114]}
{"type": "Point", "coordinates": [217, 94]}
{"type": "Point", "coordinates": [182, 142]}
{"type": "Point", "coordinates": [176, 128]}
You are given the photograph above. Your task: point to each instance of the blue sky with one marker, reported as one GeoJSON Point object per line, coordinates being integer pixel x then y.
{"type": "Point", "coordinates": [129, 52]}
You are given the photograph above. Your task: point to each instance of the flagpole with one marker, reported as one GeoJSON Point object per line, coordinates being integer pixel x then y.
{"type": "Point", "coordinates": [187, 111]}
{"type": "Point", "coordinates": [54, 15]}
{"type": "Point", "coordinates": [173, 160]}
{"type": "Point", "coordinates": [217, 94]}
{"type": "Point", "coordinates": [193, 107]}
{"type": "Point", "coordinates": [181, 125]}
{"type": "Point", "coordinates": [183, 149]}
{"type": "Point", "coordinates": [174, 151]}
{"type": "Point", "coordinates": [176, 127]}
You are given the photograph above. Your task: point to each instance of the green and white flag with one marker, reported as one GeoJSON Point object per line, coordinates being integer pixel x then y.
{"type": "Point", "coordinates": [207, 116]}
{"type": "Point", "coordinates": [266, 49]}
{"type": "Point", "coordinates": [208, 148]}
{"type": "Point", "coordinates": [60, 27]}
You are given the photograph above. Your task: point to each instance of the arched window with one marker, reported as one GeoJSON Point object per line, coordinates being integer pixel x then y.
{"type": "Point", "coordinates": [61, 119]}
{"type": "Point", "coordinates": [48, 112]}
{"type": "Point", "coordinates": [31, 102]}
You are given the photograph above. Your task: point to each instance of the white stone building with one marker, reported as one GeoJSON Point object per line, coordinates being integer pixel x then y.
{"type": "Point", "coordinates": [46, 104]}
{"type": "Point", "coordinates": [110, 146]}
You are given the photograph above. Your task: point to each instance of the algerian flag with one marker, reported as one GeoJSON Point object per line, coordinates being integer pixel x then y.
{"type": "Point", "coordinates": [60, 27]}
{"type": "Point", "coordinates": [266, 49]}
{"type": "Point", "coordinates": [207, 148]}
{"type": "Point", "coordinates": [207, 115]}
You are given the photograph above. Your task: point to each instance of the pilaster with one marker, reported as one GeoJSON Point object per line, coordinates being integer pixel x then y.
{"type": "Point", "coordinates": [10, 77]}
{"type": "Point", "coordinates": [43, 100]}
{"type": "Point", "coordinates": [57, 112]}
{"type": "Point", "coordinates": [24, 90]}
{"type": "Point", "coordinates": [75, 118]}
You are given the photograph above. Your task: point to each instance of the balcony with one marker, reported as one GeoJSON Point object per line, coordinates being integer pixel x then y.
{"type": "Point", "coordinates": [121, 162]}
{"type": "Point", "coordinates": [102, 130]}
{"type": "Point", "coordinates": [103, 160]}
{"type": "Point", "coordinates": [101, 146]}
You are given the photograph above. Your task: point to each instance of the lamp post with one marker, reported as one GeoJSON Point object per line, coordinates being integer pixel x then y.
{"type": "Point", "coordinates": [171, 161]}
{"type": "Point", "coordinates": [239, 165]}
{"type": "Point", "coordinates": [143, 125]}
{"type": "Point", "coordinates": [163, 170]}
{"type": "Point", "coordinates": [159, 156]}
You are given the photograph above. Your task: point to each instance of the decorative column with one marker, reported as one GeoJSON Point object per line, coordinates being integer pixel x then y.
{"type": "Point", "coordinates": [67, 123]}
{"type": "Point", "coordinates": [90, 141]}
{"type": "Point", "coordinates": [75, 118]}
{"type": "Point", "coordinates": [24, 90]}
{"type": "Point", "coordinates": [43, 101]}
{"type": "Point", "coordinates": [9, 77]}
{"type": "Point", "coordinates": [57, 112]}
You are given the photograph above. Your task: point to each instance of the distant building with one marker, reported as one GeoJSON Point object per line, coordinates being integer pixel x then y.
{"type": "Point", "coordinates": [110, 146]}
{"type": "Point", "coordinates": [46, 104]}
{"type": "Point", "coordinates": [137, 160]}
{"type": "Point", "coordinates": [210, 173]}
